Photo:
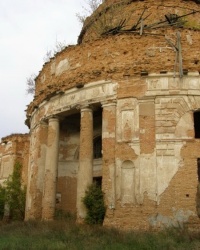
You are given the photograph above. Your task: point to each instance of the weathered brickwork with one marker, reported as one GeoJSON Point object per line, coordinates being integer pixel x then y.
{"type": "Point", "coordinates": [36, 165]}
{"type": "Point", "coordinates": [118, 59]}
{"type": "Point", "coordinates": [66, 194]}
{"type": "Point", "coordinates": [108, 150]}
{"type": "Point", "coordinates": [110, 58]}
{"type": "Point", "coordinates": [14, 148]}
{"type": "Point", "coordinates": [119, 109]}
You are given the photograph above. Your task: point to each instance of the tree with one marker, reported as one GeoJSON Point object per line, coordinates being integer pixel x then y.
{"type": "Point", "coordinates": [30, 82]}
{"type": "Point", "coordinates": [15, 194]}
{"type": "Point", "coordinates": [2, 201]}
{"type": "Point", "coordinates": [94, 203]}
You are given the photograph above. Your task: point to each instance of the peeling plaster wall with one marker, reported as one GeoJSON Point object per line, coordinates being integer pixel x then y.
{"type": "Point", "coordinates": [7, 165]}
{"type": "Point", "coordinates": [149, 164]}
{"type": "Point", "coordinates": [176, 220]}
{"type": "Point", "coordinates": [149, 153]}
{"type": "Point", "coordinates": [162, 153]}
{"type": "Point", "coordinates": [38, 145]}
{"type": "Point", "coordinates": [14, 148]}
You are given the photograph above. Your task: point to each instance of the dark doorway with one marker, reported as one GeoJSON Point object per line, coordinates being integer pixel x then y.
{"type": "Point", "coordinates": [198, 188]}
{"type": "Point", "coordinates": [198, 168]}
{"type": "Point", "coordinates": [97, 181]}
{"type": "Point", "coordinates": [197, 124]}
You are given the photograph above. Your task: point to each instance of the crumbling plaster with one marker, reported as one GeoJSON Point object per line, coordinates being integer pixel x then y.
{"type": "Point", "coordinates": [149, 150]}
{"type": "Point", "coordinates": [14, 148]}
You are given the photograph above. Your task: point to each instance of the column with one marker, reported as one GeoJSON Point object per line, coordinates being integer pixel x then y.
{"type": "Point", "coordinates": [108, 148]}
{"type": "Point", "coordinates": [85, 171]}
{"type": "Point", "coordinates": [37, 157]}
{"type": "Point", "coordinates": [51, 165]}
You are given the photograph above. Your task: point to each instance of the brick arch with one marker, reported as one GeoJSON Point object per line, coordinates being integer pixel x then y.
{"type": "Point", "coordinates": [171, 113]}
{"type": "Point", "coordinates": [185, 124]}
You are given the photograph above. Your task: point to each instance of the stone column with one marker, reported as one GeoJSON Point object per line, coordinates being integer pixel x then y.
{"type": "Point", "coordinates": [108, 148]}
{"type": "Point", "coordinates": [85, 171]}
{"type": "Point", "coordinates": [38, 140]}
{"type": "Point", "coordinates": [51, 166]}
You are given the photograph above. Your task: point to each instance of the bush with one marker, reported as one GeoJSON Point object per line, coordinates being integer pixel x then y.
{"type": "Point", "coordinates": [15, 194]}
{"type": "Point", "coordinates": [94, 203]}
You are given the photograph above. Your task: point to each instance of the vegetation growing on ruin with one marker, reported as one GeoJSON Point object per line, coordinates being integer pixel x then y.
{"type": "Point", "coordinates": [30, 81]}
{"type": "Point", "coordinates": [94, 203]}
{"type": "Point", "coordinates": [13, 195]}
{"type": "Point", "coordinates": [88, 9]}
{"type": "Point", "coordinates": [192, 25]}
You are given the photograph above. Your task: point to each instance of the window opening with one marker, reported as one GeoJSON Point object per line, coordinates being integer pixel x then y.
{"type": "Point", "coordinates": [198, 168]}
{"type": "Point", "coordinates": [97, 147]}
{"type": "Point", "coordinates": [197, 124]}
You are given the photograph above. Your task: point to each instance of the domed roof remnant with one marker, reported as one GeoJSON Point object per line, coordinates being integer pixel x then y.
{"type": "Point", "coordinates": [114, 17]}
{"type": "Point", "coordinates": [131, 31]}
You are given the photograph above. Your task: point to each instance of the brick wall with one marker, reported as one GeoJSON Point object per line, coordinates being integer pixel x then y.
{"type": "Point", "coordinates": [14, 148]}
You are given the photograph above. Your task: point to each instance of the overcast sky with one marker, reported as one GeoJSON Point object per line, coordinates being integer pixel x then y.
{"type": "Point", "coordinates": [28, 29]}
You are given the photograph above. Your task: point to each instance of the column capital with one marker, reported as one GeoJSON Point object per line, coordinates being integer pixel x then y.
{"type": "Point", "coordinates": [53, 117]}
{"type": "Point", "coordinates": [84, 108]}
{"type": "Point", "coordinates": [108, 103]}
{"type": "Point", "coordinates": [47, 119]}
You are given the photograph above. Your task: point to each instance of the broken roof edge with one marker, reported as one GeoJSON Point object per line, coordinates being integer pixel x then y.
{"type": "Point", "coordinates": [116, 9]}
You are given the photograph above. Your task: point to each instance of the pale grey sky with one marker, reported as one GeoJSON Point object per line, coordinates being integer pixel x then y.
{"type": "Point", "coordinates": [28, 28]}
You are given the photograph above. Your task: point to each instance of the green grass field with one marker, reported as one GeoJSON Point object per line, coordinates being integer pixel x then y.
{"type": "Point", "coordinates": [66, 234]}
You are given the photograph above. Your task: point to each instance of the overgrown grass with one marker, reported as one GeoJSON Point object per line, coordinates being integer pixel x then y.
{"type": "Point", "coordinates": [66, 234]}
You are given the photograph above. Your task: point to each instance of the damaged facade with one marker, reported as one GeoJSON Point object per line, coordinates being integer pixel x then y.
{"type": "Point", "coordinates": [121, 108]}
{"type": "Point", "coordinates": [14, 148]}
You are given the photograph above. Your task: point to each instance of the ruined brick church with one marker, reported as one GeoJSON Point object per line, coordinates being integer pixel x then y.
{"type": "Point", "coordinates": [120, 108]}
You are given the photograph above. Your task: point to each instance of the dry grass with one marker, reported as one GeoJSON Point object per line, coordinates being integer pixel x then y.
{"type": "Point", "coordinates": [66, 234]}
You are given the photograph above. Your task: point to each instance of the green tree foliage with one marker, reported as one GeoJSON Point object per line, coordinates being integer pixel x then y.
{"type": "Point", "coordinates": [2, 201]}
{"type": "Point", "coordinates": [14, 194]}
{"type": "Point", "coordinates": [94, 203]}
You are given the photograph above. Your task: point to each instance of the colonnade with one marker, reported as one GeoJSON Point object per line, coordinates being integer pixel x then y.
{"type": "Point", "coordinates": [46, 207]}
